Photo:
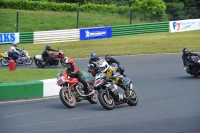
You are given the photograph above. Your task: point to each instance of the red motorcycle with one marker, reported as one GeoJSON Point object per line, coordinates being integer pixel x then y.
{"type": "Point", "coordinates": [72, 90]}
{"type": "Point", "coordinates": [58, 56]}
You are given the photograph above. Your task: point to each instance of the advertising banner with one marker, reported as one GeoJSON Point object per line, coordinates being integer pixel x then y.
{"type": "Point", "coordinates": [9, 37]}
{"type": "Point", "coordinates": [95, 33]}
{"type": "Point", "coordinates": [184, 25]}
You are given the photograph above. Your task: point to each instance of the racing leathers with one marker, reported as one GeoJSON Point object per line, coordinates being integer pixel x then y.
{"type": "Point", "coordinates": [113, 60]}
{"type": "Point", "coordinates": [13, 52]}
{"type": "Point", "coordinates": [45, 55]}
{"type": "Point", "coordinates": [93, 67]}
{"type": "Point", "coordinates": [187, 60]}
{"type": "Point", "coordinates": [118, 78]}
{"type": "Point", "coordinates": [73, 71]}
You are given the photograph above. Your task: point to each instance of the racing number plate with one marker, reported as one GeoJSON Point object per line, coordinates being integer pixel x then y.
{"type": "Point", "coordinates": [60, 81]}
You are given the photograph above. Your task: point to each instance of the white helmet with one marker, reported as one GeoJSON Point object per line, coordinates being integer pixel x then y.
{"type": "Point", "coordinates": [103, 66]}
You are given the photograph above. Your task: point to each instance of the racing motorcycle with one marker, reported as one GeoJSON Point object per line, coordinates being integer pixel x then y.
{"type": "Point", "coordinates": [58, 56]}
{"type": "Point", "coordinates": [2, 55]}
{"type": "Point", "coordinates": [72, 90]}
{"type": "Point", "coordinates": [195, 69]}
{"type": "Point", "coordinates": [25, 58]}
{"type": "Point", "coordinates": [110, 94]}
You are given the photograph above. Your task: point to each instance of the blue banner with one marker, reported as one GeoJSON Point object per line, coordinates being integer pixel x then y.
{"type": "Point", "coordinates": [95, 33]}
{"type": "Point", "coordinates": [9, 37]}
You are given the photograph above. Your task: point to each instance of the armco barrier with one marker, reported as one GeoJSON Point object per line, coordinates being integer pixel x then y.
{"type": "Point", "coordinates": [56, 36]}
{"type": "Point", "coordinates": [27, 90]}
{"type": "Point", "coordinates": [26, 37]}
{"type": "Point", "coordinates": [135, 29]}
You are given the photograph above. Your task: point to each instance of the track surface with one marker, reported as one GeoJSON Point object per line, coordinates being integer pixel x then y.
{"type": "Point", "coordinates": [168, 103]}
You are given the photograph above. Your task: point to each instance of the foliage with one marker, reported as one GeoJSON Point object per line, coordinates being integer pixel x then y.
{"type": "Point", "coordinates": [154, 8]}
{"type": "Point", "coordinates": [175, 10]}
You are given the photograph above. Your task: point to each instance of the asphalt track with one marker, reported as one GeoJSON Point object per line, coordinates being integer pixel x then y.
{"type": "Point", "coordinates": [168, 103]}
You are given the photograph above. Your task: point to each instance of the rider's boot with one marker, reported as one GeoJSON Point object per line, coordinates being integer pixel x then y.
{"type": "Point", "coordinates": [127, 92]}
{"type": "Point", "coordinates": [88, 90]}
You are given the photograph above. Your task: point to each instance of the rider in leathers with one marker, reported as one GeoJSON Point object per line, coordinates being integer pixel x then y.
{"type": "Point", "coordinates": [93, 61]}
{"type": "Point", "coordinates": [12, 52]}
{"type": "Point", "coordinates": [111, 60]}
{"type": "Point", "coordinates": [110, 71]}
{"type": "Point", "coordinates": [46, 56]}
{"type": "Point", "coordinates": [73, 71]}
{"type": "Point", "coordinates": [187, 59]}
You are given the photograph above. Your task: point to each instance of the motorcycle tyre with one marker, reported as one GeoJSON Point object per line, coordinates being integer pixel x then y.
{"type": "Point", "coordinates": [93, 99]}
{"type": "Point", "coordinates": [132, 102]}
{"type": "Point", "coordinates": [39, 64]}
{"type": "Point", "coordinates": [28, 61]}
{"type": "Point", "coordinates": [103, 102]}
{"type": "Point", "coordinates": [63, 63]}
{"type": "Point", "coordinates": [3, 63]}
{"type": "Point", "coordinates": [62, 98]}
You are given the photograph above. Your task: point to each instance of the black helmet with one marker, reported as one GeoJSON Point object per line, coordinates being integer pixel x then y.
{"type": "Point", "coordinates": [185, 51]}
{"type": "Point", "coordinates": [48, 46]}
{"type": "Point", "coordinates": [107, 56]}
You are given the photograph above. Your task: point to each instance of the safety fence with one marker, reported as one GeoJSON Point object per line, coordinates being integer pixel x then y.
{"type": "Point", "coordinates": [136, 29]}
{"type": "Point", "coordinates": [99, 32]}
{"type": "Point", "coordinates": [83, 33]}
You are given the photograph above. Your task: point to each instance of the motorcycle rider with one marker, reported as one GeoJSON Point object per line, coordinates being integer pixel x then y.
{"type": "Point", "coordinates": [187, 59]}
{"type": "Point", "coordinates": [46, 56]}
{"type": "Point", "coordinates": [13, 52]}
{"type": "Point", "coordinates": [94, 59]}
{"type": "Point", "coordinates": [73, 71]}
{"type": "Point", "coordinates": [110, 71]}
{"type": "Point", "coordinates": [93, 63]}
{"type": "Point", "coordinates": [111, 60]}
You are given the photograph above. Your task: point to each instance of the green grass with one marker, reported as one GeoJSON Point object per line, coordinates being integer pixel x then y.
{"type": "Point", "coordinates": [23, 74]}
{"type": "Point", "coordinates": [49, 20]}
{"type": "Point", "coordinates": [127, 45]}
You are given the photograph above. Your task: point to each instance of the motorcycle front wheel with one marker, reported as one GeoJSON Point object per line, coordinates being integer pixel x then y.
{"type": "Point", "coordinates": [93, 99]}
{"type": "Point", "coordinates": [133, 99]}
{"type": "Point", "coordinates": [28, 61]}
{"type": "Point", "coordinates": [5, 62]}
{"type": "Point", "coordinates": [105, 101]}
{"type": "Point", "coordinates": [67, 99]}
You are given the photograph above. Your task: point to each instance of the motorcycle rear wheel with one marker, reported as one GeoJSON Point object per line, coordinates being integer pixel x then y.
{"type": "Point", "coordinates": [93, 99]}
{"type": "Point", "coordinates": [5, 62]}
{"type": "Point", "coordinates": [105, 101]}
{"type": "Point", "coordinates": [39, 64]}
{"type": "Point", "coordinates": [68, 101]}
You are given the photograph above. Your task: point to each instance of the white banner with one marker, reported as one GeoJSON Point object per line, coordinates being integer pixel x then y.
{"type": "Point", "coordinates": [9, 37]}
{"type": "Point", "coordinates": [184, 25]}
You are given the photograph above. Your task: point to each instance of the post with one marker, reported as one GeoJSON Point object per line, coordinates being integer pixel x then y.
{"type": "Point", "coordinates": [17, 20]}
{"type": "Point", "coordinates": [130, 6]}
{"type": "Point", "coordinates": [77, 19]}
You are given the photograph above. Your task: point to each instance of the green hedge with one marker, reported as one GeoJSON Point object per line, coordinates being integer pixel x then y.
{"type": "Point", "coordinates": [53, 6]}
